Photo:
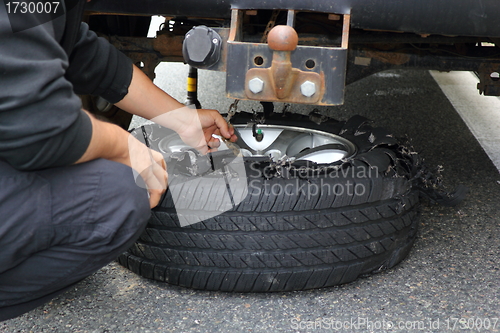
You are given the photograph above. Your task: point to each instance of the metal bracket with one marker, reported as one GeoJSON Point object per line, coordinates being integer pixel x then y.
{"type": "Point", "coordinates": [308, 74]}
{"type": "Point", "coordinates": [489, 76]}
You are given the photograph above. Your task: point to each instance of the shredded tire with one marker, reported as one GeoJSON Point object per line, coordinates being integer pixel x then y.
{"type": "Point", "coordinates": [294, 241]}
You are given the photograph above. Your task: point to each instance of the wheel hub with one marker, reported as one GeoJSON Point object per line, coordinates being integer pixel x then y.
{"type": "Point", "coordinates": [280, 143]}
{"type": "Point", "coordinates": [294, 143]}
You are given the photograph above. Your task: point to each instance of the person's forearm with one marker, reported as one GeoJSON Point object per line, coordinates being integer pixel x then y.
{"type": "Point", "coordinates": [195, 127]}
{"type": "Point", "coordinates": [113, 143]}
{"type": "Point", "coordinates": [145, 99]}
{"type": "Point", "coordinates": [108, 141]}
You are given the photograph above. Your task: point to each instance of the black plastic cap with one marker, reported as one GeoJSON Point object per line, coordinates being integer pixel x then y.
{"type": "Point", "coordinates": [202, 47]}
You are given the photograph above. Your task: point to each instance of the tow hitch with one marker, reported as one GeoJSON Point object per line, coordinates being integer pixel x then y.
{"type": "Point", "coordinates": [280, 71]}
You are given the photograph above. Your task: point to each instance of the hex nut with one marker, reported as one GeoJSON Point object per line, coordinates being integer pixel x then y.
{"type": "Point", "coordinates": [308, 88]}
{"type": "Point", "coordinates": [256, 85]}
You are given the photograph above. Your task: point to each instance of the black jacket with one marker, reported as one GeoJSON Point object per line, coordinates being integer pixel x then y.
{"type": "Point", "coordinates": [41, 71]}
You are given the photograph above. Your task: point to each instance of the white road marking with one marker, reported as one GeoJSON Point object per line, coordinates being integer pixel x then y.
{"type": "Point", "coordinates": [480, 113]}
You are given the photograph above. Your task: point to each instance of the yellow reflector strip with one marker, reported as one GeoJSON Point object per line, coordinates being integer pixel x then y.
{"type": "Point", "coordinates": [191, 84]}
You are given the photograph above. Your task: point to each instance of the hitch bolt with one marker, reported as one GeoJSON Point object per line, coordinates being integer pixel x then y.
{"type": "Point", "coordinates": [256, 85]}
{"type": "Point", "coordinates": [308, 88]}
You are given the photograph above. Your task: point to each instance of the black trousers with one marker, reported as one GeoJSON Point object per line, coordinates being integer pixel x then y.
{"type": "Point", "coordinates": [58, 226]}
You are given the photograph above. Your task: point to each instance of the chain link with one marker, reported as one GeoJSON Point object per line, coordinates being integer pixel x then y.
{"type": "Point", "coordinates": [270, 25]}
{"type": "Point", "coordinates": [232, 110]}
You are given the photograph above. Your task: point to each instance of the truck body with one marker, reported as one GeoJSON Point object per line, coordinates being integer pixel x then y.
{"type": "Point", "coordinates": [339, 42]}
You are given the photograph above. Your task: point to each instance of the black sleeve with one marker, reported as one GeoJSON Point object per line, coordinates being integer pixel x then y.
{"type": "Point", "coordinates": [41, 121]}
{"type": "Point", "coordinates": [98, 68]}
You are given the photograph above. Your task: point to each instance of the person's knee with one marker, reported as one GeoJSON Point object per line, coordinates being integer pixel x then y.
{"type": "Point", "coordinates": [124, 194]}
{"type": "Point", "coordinates": [93, 203]}
{"type": "Point", "coordinates": [121, 212]}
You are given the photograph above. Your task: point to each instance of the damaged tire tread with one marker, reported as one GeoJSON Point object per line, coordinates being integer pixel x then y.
{"type": "Point", "coordinates": [283, 243]}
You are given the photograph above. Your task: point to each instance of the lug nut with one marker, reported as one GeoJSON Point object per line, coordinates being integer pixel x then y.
{"type": "Point", "coordinates": [308, 88]}
{"type": "Point", "coordinates": [256, 85]}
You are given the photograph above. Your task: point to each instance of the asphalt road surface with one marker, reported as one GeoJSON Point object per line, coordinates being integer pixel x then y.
{"type": "Point", "coordinates": [450, 282]}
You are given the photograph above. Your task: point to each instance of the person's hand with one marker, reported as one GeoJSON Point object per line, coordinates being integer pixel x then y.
{"type": "Point", "coordinates": [150, 165]}
{"type": "Point", "coordinates": [197, 127]}
{"type": "Point", "coordinates": [213, 123]}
